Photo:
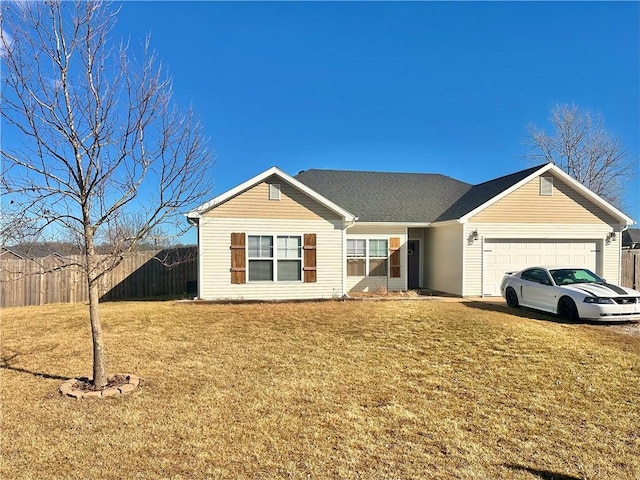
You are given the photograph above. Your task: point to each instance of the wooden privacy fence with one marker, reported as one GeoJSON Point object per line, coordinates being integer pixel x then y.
{"type": "Point", "coordinates": [54, 279]}
{"type": "Point", "coordinates": [631, 268]}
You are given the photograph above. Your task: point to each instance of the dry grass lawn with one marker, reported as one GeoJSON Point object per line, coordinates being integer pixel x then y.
{"type": "Point", "coordinates": [329, 390]}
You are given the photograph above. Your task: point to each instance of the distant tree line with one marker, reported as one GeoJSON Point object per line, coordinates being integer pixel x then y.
{"type": "Point", "coordinates": [44, 249]}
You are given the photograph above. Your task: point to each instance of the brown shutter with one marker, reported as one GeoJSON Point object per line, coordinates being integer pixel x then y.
{"type": "Point", "coordinates": [394, 256]}
{"type": "Point", "coordinates": [238, 258]}
{"type": "Point", "coordinates": [309, 248]}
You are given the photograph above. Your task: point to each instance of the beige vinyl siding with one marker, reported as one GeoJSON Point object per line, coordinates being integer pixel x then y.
{"type": "Point", "coordinates": [373, 284]}
{"type": "Point", "coordinates": [417, 234]}
{"type": "Point", "coordinates": [526, 205]}
{"type": "Point", "coordinates": [215, 259]}
{"type": "Point", "coordinates": [472, 260]}
{"type": "Point", "coordinates": [608, 257]}
{"type": "Point", "coordinates": [443, 258]}
{"type": "Point", "coordinates": [255, 203]}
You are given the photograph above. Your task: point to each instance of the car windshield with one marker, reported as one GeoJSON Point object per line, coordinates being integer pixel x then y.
{"type": "Point", "coordinates": [570, 276]}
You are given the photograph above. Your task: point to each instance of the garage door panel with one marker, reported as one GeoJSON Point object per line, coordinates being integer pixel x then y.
{"type": "Point", "coordinates": [501, 256]}
{"type": "Point", "coordinates": [521, 258]}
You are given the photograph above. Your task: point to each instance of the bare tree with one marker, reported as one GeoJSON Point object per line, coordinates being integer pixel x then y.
{"type": "Point", "coordinates": [92, 142]}
{"type": "Point", "coordinates": [582, 146]}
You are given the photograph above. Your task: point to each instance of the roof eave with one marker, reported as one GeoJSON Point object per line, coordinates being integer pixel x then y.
{"type": "Point", "coordinates": [202, 209]}
{"type": "Point", "coordinates": [465, 218]}
{"type": "Point", "coordinates": [606, 206]}
{"type": "Point", "coordinates": [395, 224]}
{"type": "Point", "coordinates": [625, 220]}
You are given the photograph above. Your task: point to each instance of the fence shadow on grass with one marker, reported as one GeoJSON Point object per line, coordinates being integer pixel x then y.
{"type": "Point", "coordinates": [542, 474]}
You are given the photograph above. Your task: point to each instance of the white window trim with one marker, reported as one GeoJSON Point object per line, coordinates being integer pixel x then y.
{"type": "Point", "coordinates": [367, 256]}
{"type": "Point", "coordinates": [274, 257]}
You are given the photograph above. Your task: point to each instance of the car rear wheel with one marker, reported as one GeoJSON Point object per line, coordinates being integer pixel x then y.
{"type": "Point", "coordinates": [512, 298]}
{"type": "Point", "coordinates": [567, 310]}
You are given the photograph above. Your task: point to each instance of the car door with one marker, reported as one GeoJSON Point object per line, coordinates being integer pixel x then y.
{"type": "Point", "coordinates": [537, 289]}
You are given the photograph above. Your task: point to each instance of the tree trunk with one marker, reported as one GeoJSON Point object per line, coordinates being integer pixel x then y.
{"type": "Point", "coordinates": [99, 372]}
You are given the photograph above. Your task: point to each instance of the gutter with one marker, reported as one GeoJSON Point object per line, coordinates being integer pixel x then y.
{"type": "Point", "coordinates": [347, 225]}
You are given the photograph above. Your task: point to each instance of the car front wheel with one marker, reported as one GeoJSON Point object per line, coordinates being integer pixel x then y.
{"type": "Point", "coordinates": [512, 298]}
{"type": "Point", "coordinates": [567, 310]}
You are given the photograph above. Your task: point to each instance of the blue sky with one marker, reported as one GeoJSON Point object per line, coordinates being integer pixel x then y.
{"type": "Point", "coordinates": [392, 86]}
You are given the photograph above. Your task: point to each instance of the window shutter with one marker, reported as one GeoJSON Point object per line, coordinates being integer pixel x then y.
{"type": "Point", "coordinates": [238, 258]}
{"type": "Point", "coordinates": [309, 248]}
{"type": "Point", "coordinates": [394, 256]}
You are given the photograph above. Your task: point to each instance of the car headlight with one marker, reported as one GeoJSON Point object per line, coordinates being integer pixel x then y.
{"type": "Point", "coordinates": [599, 300]}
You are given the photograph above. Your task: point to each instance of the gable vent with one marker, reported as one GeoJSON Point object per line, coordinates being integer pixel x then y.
{"type": "Point", "coordinates": [546, 186]}
{"type": "Point", "coordinates": [274, 191]}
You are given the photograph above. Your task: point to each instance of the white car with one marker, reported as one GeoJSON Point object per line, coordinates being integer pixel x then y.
{"type": "Point", "coordinates": [571, 293]}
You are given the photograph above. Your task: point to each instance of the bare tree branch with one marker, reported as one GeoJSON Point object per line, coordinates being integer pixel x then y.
{"type": "Point", "coordinates": [92, 142]}
{"type": "Point", "coordinates": [582, 146]}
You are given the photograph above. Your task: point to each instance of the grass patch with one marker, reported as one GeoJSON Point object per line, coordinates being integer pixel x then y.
{"type": "Point", "coordinates": [350, 390]}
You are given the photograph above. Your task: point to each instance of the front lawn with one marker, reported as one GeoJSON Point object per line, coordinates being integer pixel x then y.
{"type": "Point", "coordinates": [329, 390]}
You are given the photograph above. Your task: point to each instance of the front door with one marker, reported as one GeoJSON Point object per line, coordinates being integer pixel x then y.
{"type": "Point", "coordinates": [413, 263]}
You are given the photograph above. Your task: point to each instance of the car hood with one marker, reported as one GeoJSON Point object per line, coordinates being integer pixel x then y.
{"type": "Point", "coordinates": [602, 290]}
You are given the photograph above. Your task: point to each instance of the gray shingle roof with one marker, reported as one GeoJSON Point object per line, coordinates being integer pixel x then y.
{"type": "Point", "coordinates": [483, 192]}
{"type": "Point", "coordinates": [404, 197]}
{"type": "Point", "coordinates": [386, 197]}
{"type": "Point", "coordinates": [631, 238]}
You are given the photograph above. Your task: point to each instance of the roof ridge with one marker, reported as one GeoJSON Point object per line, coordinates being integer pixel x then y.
{"type": "Point", "coordinates": [514, 174]}
{"type": "Point", "coordinates": [366, 171]}
{"type": "Point", "coordinates": [374, 172]}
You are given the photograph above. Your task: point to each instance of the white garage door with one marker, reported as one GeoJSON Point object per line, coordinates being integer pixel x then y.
{"type": "Point", "coordinates": [501, 256]}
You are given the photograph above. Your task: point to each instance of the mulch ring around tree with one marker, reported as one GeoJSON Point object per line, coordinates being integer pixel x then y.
{"type": "Point", "coordinates": [117, 385]}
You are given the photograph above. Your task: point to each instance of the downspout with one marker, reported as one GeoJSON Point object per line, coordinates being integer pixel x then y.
{"type": "Point", "coordinates": [406, 259]}
{"type": "Point", "coordinates": [195, 221]}
{"type": "Point", "coordinates": [465, 245]}
{"type": "Point", "coordinates": [199, 264]}
{"type": "Point", "coordinates": [347, 225]}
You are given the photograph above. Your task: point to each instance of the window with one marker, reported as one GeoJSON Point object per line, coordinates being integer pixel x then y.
{"type": "Point", "coordinates": [569, 276]}
{"type": "Point", "coordinates": [289, 259]}
{"type": "Point", "coordinates": [378, 258]}
{"type": "Point", "coordinates": [546, 186]}
{"type": "Point", "coordinates": [363, 262]}
{"type": "Point", "coordinates": [536, 275]}
{"type": "Point", "coordinates": [260, 257]}
{"type": "Point", "coordinates": [356, 258]}
{"type": "Point", "coordinates": [282, 263]}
